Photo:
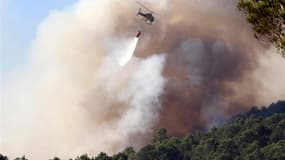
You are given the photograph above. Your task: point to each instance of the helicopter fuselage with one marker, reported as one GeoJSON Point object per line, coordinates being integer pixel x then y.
{"type": "Point", "coordinates": [148, 16]}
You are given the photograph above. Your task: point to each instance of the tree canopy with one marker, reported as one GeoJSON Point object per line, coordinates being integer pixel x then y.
{"type": "Point", "coordinates": [268, 20]}
{"type": "Point", "coordinates": [255, 135]}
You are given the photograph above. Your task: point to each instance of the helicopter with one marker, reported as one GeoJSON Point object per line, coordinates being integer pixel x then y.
{"type": "Point", "coordinates": [148, 16]}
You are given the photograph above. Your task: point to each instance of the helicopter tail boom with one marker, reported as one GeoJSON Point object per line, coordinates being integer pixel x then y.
{"type": "Point", "coordinates": [139, 12]}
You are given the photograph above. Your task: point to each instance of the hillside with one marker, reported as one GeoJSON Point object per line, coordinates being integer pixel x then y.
{"type": "Point", "coordinates": [255, 135]}
{"type": "Point", "coordinates": [264, 112]}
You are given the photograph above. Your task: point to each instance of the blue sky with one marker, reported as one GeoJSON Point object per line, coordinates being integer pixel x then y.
{"type": "Point", "coordinates": [19, 21]}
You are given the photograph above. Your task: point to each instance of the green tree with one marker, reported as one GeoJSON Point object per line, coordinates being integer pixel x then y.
{"type": "Point", "coordinates": [227, 149]}
{"type": "Point", "coordinates": [268, 19]}
{"type": "Point", "coordinates": [146, 153]}
{"type": "Point", "coordinates": [130, 152]}
{"type": "Point", "coordinates": [21, 158]}
{"type": "Point", "coordinates": [2, 157]}
{"type": "Point", "coordinates": [103, 156]}
{"type": "Point", "coordinates": [84, 157]}
{"type": "Point", "coordinates": [275, 151]}
{"type": "Point", "coordinates": [160, 135]}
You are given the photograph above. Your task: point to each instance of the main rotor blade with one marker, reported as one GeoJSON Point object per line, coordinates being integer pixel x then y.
{"type": "Point", "coordinates": [145, 7]}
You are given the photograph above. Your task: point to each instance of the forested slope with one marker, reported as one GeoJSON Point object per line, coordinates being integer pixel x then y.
{"type": "Point", "coordinates": [256, 135]}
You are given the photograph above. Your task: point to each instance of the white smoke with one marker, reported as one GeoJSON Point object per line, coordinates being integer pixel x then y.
{"type": "Point", "coordinates": [140, 96]}
{"type": "Point", "coordinates": [72, 98]}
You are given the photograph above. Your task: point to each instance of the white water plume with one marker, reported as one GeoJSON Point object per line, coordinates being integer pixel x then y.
{"type": "Point", "coordinates": [126, 54]}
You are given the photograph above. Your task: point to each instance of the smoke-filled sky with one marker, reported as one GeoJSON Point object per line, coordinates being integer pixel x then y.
{"type": "Point", "coordinates": [196, 66]}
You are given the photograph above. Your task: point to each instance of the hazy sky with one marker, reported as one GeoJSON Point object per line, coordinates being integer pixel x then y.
{"type": "Point", "coordinates": [19, 21]}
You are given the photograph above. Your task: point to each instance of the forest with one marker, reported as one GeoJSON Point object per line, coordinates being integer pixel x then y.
{"type": "Point", "coordinates": [255, 135]}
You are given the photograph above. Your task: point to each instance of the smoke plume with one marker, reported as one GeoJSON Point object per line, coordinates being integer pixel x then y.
{"type": "Point", "coordinates": [197, 65]}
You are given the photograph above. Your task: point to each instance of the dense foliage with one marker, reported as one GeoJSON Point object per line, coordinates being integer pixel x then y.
{"type": "Point", "coordinates": [274, 108]}
{"type": "Point", "coordinates": [268, 20]}
{"type": "Point", "coordinates": [256, 135]}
